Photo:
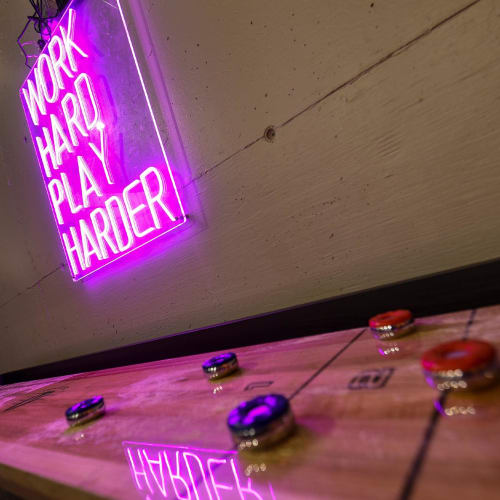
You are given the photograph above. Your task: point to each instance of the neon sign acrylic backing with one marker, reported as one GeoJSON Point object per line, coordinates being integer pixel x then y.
{"type": "Point", "coordinates": [102, 160]}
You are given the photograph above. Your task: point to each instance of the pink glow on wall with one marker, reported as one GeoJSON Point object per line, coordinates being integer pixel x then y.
{"type": "Point", "coordinates": [107, 176]}
{"type": "Point", "coordinates": [182, 472]}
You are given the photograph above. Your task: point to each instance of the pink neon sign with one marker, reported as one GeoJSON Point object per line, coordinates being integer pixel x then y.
{"type": "Point", "coordinates": [182, 472]}
{"type": "Point", "coordinates": [103, 163]}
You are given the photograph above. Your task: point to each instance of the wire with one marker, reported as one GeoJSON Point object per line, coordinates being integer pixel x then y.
{"type": "Point", "coordinates": [41, 25]}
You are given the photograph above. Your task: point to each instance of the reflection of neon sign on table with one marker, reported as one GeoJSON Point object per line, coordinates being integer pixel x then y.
{"type": "Point", "coordinates": [104, 206]}
{"type": "Point", "coordinates": [190, 473]}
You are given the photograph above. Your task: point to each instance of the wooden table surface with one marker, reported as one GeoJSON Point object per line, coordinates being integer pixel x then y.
{"type": "Point", "coordinates": [368, 425]}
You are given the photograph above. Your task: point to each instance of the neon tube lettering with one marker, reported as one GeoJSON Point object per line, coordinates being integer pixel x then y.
{"type": "Point", "coordinates": [137, 472]}
{"type": "Point", "coordinates": [86, 175]}
{"type": "Point", "coordinates": [44, 58]}
{"type": "Point", "coordinates": [101, 152]}
{"type": "Point", "coordinates": [75, 248]}
{"type": "Point", "coordinates": [73, 119]}
{"type": "Point", "coordinates": [177, 477]}
{"type": "Point", "coordinates": [61, 141]}
{"type": "Point", "coordinates": [98, 223]}
{"type": "Point", "coordinates": [59, 63]}
{"type": "Point", "coordinates": [126, 226]}
{"type": "Point", "coordinates": [187, 476]}
{"type": "Point", "coordinates": [46, 150]}
{"type": "Point", "coordinates": [216, 485]}
{"type": "Point", "coordinates": [156, 199]}
{"type": "Point", "coordinates": [57, 199]}
{"type": "Point", "coordinates": [159, 463]}
{"type": "Point", "coordinates": [102, 232]}
{"type": "Point", "coordinates": [132, 211]}
{"type": "Point", "coordinates": [89, 244]}
{"type": "Point", "coordinates": [69, 44]}
{"type": "Point", "coordinates": [187, 454]}
{"type": "Point", "coordinates": [34, 98]}
{"type": "Point", "coordinates": [74, 208]}
{"type": "Point", "coordinates": [90, 123]}
{"type": "Point", "coordinates": [242, 489]}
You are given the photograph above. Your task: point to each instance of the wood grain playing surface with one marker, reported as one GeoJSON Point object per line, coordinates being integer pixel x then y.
{"type": "Point", "coordinates": [368, 424]}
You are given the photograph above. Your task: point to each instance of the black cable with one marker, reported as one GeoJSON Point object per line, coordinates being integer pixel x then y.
{"type": "Point", "coordinates": [41, 25]}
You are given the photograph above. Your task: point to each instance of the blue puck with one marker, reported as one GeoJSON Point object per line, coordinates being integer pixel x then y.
{"type": "Point", "coordinates": [85, 410]}
{"type": "Point", "coordinates": [261, 421]}
{"type": "Point", "coordinates": [220, 365]}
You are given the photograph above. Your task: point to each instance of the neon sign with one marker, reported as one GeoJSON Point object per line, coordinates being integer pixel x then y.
{"type": "Point", "coordinates": [186, 473]}
{"type": "Point", "coordinates": [103, 162]}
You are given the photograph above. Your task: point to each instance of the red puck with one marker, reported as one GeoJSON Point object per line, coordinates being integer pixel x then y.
{"type": "Point", "coordinates": [392, 319]}
{"type": "Point", "coordinates": [465, 355]}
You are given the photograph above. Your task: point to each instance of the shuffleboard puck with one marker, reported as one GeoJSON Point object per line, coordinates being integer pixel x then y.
{"type": "Point", "coordinates": [85, 411]}
{"type": "Point", "coordinates": [261, 422]}
{"type": "Point", "coordinates": [460, 365]}
{"type": "Point", "coordinates": [220, 365]}
{"type": "Point", "coordinates": [392, 324]}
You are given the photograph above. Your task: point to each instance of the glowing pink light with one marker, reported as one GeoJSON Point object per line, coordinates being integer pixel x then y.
{"type": "Point", "coordinates": [105, 204]}
{"type": "Point", "coordinates": [167, 471]}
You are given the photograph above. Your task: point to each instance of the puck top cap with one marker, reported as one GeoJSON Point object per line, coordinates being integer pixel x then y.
{"type": "Point", "coordinates": [252, 418]}
{"type": "Point", "coordinates": [213, 364]}
{"type": "Point", "coordinates": [392, 319]}
{"type": "Point", "coordinates": [84, 408]}
{"type": "Point", "coordinates": [465, 355]}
